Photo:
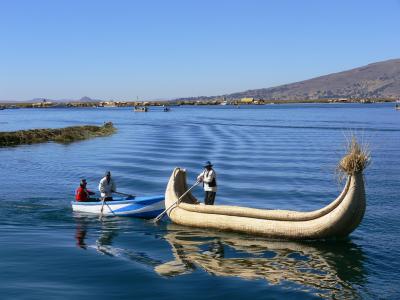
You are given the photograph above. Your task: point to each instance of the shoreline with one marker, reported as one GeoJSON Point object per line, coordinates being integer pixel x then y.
{"type": "Point", "coordinates": [183, 102]}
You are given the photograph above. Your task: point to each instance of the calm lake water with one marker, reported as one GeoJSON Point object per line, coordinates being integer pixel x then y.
{"type": "Point", "coordinates": [275, 156]}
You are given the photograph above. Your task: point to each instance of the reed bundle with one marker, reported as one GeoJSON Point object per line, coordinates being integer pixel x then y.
{"type": "Point", "coordinates": [358, 157]}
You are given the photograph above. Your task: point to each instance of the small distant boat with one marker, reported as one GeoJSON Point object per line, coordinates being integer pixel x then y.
{"type": "Point", "coordinates": [140, 109]}
{"type": "Point", "coordinates": [397, 106]}
{"type": "Point", "coordinates": [166, 109]}
{"type": "Point", "coordinates": [146, 207]}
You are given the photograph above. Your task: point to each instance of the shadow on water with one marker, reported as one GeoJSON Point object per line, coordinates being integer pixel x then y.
{"type": "Point", "coordinates": [327, 269]}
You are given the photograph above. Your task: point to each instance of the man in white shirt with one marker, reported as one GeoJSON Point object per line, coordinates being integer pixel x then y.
{"type": "Point", "coordinates": [209, 179]}
{"type": "Point", "coordinates": [107, 187]}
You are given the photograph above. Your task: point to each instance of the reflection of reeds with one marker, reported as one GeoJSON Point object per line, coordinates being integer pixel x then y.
{"type": "Point", "coordinates": [61, 135]}
{"type": "Point", "coordinates": [316, 268]}
{"type": "Point", "coordinates": [358, 157]}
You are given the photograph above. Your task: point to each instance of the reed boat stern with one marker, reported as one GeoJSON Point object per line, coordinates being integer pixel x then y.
{"type": "Point", "coordinates": [176, 187]}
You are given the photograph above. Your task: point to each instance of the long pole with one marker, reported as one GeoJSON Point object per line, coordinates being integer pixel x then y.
{"type": "Point", "coordinates": [176, 202]}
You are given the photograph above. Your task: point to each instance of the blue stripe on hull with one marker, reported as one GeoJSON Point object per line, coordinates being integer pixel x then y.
{"type": "Point", "coordinates": [133, 207]}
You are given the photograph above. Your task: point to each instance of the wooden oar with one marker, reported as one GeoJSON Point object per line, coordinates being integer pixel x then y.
{"type": "Point", "coordinates": [158, 218]}
{"type": "Point", "coordinates": [124, 194]}
{"type": "Point", "coordinates": [102, 207]}
{"type": "Point", "coordinates": [110, 209]}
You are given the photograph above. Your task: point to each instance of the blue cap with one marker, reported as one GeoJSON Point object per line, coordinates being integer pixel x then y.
{"type": "Point", "coordinates": [208, 164]}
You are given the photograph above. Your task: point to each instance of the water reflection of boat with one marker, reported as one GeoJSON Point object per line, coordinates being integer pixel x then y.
{"type": "Point", "coordinates": [80, 234]}
{"type": "Point", "coordinates": [104, 243]}
{"type": "Point", "coordinates": [324, 269]}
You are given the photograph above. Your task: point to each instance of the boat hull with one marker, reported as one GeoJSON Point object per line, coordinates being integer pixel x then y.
{"type": "Point", "coordinates": [337, 219]}
{"type": "Point", "coordinates": [140, 207]}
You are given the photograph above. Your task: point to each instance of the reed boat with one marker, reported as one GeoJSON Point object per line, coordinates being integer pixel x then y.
{"type": "Point", "coordinates": [338, 219]}
{"type": "Point", "coordinates": [146, 207]}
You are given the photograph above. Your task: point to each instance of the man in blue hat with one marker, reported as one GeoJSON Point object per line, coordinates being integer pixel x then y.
{"type": "Point", "coordinates": [209, 179]}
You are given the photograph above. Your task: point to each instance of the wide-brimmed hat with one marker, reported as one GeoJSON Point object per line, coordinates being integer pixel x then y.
{"type": "Point", "coordinates": [208, 164]}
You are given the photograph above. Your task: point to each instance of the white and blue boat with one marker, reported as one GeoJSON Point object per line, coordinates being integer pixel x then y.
{"type": "Point", "coordinates": [146, 207]}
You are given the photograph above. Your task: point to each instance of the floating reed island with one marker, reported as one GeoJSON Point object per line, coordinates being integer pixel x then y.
{"type": "Point", "coordinates": [338, 219]}
{"type": "Point", "coordinates": [60, 135]}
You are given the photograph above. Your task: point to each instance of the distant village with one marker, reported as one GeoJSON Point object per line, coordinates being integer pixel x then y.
{"type": "Point", "coordinates": [44, 103]}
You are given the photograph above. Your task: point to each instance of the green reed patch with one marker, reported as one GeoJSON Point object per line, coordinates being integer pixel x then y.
{"type": "Point", "coordinates": [59, 135]}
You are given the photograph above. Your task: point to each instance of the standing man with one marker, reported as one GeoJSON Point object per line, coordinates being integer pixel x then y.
{"type": "Point", "coordinates": [107, 187]}
{"type": "Point", "coordinates": [209, 179]}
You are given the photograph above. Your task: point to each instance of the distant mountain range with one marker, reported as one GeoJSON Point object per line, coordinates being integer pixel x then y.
{"type": "Point", "coordinates": [35, 100]}
{"type": "Point", "coordinates": [83, 99]}
{"type": "Point", "coordinates": [377, 80]}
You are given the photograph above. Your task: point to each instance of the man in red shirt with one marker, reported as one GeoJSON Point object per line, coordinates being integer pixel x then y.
{"type": "Point", "coordinates": [83, 194]}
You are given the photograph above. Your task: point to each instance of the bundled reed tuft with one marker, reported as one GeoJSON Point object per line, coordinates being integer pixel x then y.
{"type": "Point", "coordinates": [358, 157]}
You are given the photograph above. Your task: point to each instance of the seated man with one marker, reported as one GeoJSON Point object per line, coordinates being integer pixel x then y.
{"type": "Point", "coordinates": [83, 194]}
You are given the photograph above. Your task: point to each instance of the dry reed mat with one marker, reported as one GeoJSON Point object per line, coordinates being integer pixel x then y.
{"type": "Point", "coordinates": [60, 135]}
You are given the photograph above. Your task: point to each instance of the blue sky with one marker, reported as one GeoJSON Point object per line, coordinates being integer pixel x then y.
{"type": "Point", "coordinates": [166, 49]}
